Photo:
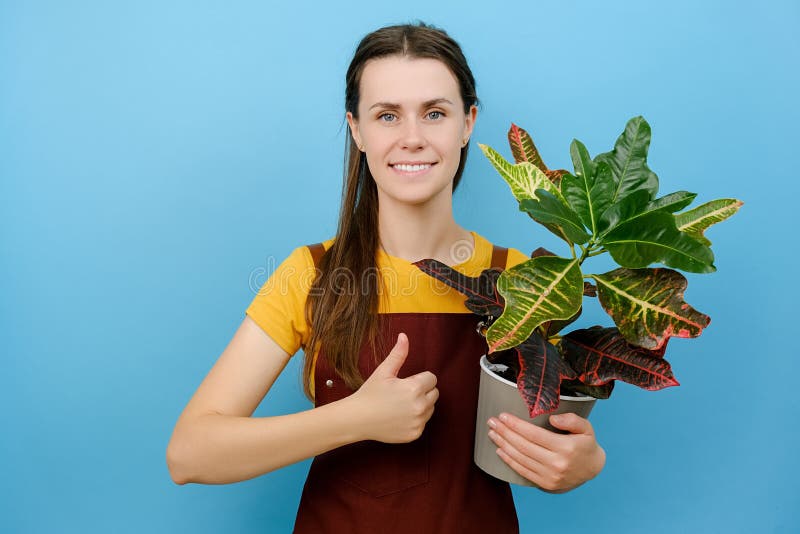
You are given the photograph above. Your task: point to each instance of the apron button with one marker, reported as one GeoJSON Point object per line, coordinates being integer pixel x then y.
{"type": "Point", "coordinates": [329, 383]}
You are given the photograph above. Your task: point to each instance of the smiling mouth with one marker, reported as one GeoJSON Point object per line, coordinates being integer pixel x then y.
{"type": "Point", "coordinates": [407, 168]}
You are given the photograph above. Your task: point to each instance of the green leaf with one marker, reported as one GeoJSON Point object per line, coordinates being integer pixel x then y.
{"type": "Point", "coordinates": [623, 211]}
{"type": "Point", "coordinates": [654, 237]}
{"type": "Point", "coordinates": [523, 178]}
{"type": "Point", "coordinates": [581, 160]}
{"type": "Point", "coordinates": [636, 205]}
{"type": "Point", "coordinates": [589, 192]}
{"type": "Point", "coordinates": [628, 161]}
{"type": "Point", "coordinates": [557, 216]}
{"type": "Point", "coordinates": [538, 290]}
{"type": "Point", "coordinates": [672, 202]}
{"type": "Point", "coordinates": [647, 305]}
{"type": "Point", "coordinates": [695, 221]}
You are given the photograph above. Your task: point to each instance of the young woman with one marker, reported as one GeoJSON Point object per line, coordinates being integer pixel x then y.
{"type": "Point", "coordinates": [392, 427]}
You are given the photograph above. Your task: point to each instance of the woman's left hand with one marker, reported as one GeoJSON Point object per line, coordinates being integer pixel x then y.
{"type": "Point", "coordinates": [555, 462]}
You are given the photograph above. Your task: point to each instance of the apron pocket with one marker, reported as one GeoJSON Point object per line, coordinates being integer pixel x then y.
{"type": "Point", "coordinates": [380, 469]}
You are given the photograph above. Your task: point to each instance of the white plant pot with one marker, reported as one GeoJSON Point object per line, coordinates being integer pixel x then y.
{"type": "Point", "coordinates": [497, 395]}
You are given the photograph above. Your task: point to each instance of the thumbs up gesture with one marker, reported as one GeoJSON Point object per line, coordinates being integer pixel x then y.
{"type": "Point", "coordinates": [395, 410]}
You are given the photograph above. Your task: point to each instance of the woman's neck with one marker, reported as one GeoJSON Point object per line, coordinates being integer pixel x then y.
{"type": "Point", "coordinates": [417, 232]}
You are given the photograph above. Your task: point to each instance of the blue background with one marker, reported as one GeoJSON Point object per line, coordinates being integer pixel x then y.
{"type": "Point", "coordinates": [157, 159]}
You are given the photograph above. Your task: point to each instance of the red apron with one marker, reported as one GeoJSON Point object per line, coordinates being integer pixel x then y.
{"type": "Point", "coordinates": [430, 485]}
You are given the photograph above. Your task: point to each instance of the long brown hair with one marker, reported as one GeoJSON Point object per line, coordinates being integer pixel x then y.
{"type": "Point", "coordinates": [342, 306]}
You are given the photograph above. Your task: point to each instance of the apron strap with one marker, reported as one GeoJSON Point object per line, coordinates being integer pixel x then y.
{"type": "Point", "coordinates": [499, 257]}
{"type": "Point", "coordinates": [317, 250]}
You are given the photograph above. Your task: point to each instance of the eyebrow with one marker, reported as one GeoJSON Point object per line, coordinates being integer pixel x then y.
{"type": "Point", "coordinates": [428, 103]}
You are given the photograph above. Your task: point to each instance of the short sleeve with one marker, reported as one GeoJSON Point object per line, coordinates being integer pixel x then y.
{"type": "Point", "coordinates": [279, 306]}
{"type": "Point", "coordinates": [515, 257]}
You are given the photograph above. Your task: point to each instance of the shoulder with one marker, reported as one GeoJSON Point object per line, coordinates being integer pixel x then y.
{"type": "Point", "coordinates": [295, 272]}
{"type": "Point", "coordinates": [303, 255]}
{"type": "Point", "coordinates": [317, 250]}
{"type": "Point", "coordinates": [514, 256]}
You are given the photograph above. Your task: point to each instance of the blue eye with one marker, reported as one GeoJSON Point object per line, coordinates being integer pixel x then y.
{"type": "Point", "coordinates": [387, 117]}
{"type": "Point", "coordinates": [438, 114]}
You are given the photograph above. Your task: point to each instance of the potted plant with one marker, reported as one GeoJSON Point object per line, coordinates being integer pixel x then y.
{"type": "Point", "coordinates": [608, 205]}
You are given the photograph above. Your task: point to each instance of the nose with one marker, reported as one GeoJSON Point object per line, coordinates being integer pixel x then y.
{"type": "Point", "coordinates": [411, 136]}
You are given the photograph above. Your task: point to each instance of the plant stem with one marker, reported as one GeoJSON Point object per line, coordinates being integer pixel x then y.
{"type": "Point", "coordinates": [584, 255]}
{"type": "Point", "coordinates": [590, 250]}
{"type": "Point", "coordinates": [597, 252]}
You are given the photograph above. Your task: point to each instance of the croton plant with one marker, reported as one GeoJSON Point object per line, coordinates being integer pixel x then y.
{"type": "Point", "coordinates": [608, 205]}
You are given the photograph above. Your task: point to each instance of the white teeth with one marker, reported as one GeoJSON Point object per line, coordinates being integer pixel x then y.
{"type": "Point", "coordinates": [411, 168]}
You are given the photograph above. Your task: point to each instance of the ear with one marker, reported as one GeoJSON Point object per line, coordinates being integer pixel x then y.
{"type": "Point", "coordinates": [469, 121]}
{"type": "Point", "coordinates": [353, 123]}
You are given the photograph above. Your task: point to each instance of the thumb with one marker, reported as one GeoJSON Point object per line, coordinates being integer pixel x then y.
{"type": "Point", "coordinates": [571, 422]}
{"type": "Point", "coordinates": [396, 358]}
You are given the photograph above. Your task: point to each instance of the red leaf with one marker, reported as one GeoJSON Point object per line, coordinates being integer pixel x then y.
{"type": "Point", "coordinates": [523, 149]}
{"type": "Point", "coordinates": [541, 372]}
{"type": "Point", "coordinates": [600, 354]}
{"type": "Point", "coordinates": [481, 292]}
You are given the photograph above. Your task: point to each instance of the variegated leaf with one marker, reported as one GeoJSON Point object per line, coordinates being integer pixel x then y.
{"type": "Point", "coordinates": [600, 355]}
{"type": "Point", "coordinates": [538, 290]}
{"type": "Point", "coordinates": [576, 386]}
{"type": "Point", "coordinates": [541, 251]}
{"type": "Point", "coordinates": [523, 178]}
{"type": "Point", "coordinates": [589, 290]}
{"type": "Point", "coordinates": [695, 221]}
{"type": "Point", "coordinates": [647, 305]}
{"type": "Point", "coordinates": [541, 372]}
{"type": "Point", "coordinates": [523, 149]}
{"type": "Point", "coordinates": [481, 292]}
{"type": "Point", "coordinates": [551, 328]}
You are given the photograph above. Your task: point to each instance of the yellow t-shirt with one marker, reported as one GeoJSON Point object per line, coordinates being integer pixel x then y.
{"type": "Point", "coordinates": [279, 306]}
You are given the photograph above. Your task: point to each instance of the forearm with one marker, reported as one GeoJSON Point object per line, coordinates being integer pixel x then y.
{"type": "Point", "coordinates": [220, 449]}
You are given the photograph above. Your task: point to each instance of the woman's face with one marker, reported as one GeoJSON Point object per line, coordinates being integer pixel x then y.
{"type": "Point", "coordinates": [412, 127]}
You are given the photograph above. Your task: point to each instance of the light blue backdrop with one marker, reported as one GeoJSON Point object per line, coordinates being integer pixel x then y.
{"type": "Point", "coordinates": [158, 158]}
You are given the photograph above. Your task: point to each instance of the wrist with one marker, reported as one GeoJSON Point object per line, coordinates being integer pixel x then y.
{"type": "Point", "coordinates": [352, 418]}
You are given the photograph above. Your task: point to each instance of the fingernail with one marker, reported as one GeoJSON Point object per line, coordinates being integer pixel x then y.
{"type": "Point", "coordinates": [492, 434]}
{"type": "Point", "coordinates": [504, 417]}
{"type": "Point", "coordinates": [492, 423]}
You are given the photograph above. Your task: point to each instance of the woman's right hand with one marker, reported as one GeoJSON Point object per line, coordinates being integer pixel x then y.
{"type": "Point", "coordinates": [395, 410]}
